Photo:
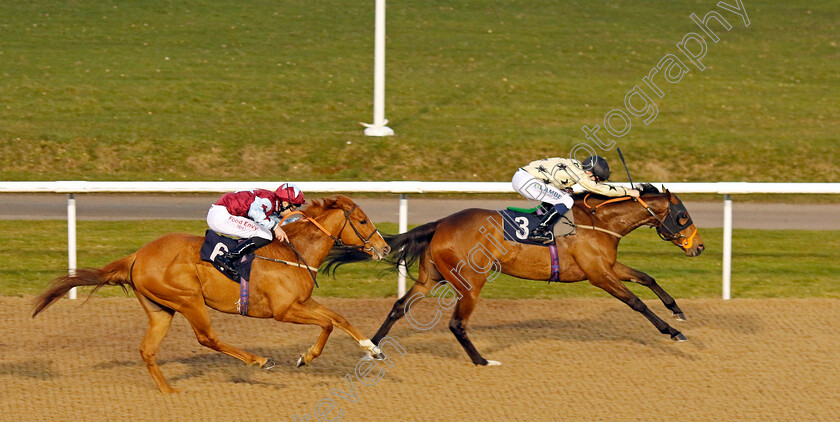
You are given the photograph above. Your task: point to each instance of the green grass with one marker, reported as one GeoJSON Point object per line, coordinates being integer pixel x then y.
{"type": "Point", "coordinates": [255, 90]}
{"type": "Point", "coordinates": [789, 263]}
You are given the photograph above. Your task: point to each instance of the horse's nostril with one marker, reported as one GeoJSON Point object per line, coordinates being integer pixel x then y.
{"type": "Point", "coordinates": [386, 250]}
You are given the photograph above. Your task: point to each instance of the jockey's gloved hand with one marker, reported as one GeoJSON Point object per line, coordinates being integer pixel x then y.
{"type": "Point", "coordinates": [280, 234]}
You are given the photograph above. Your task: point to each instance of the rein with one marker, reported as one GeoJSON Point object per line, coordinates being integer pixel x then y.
{"type": "Point", "coordinates": [609, 201]}
{"type": "Point", "coordinates": [293, 264]}
{"type": "Point", "coordinates": [312, 270]}
{"type": "Point", "coordinates": [600, 230]}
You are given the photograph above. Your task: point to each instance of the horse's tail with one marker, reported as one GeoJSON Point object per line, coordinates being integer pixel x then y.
{"type": "Point", "coordinates": [117, 273]}
{"type": "Point", "coordinates": [408, 247]}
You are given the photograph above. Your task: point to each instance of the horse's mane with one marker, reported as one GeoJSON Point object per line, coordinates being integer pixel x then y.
{"type": "Point", "coordinates": [646, 188]}
{"type": "Point", "coordinates": [319, 206]}
{"type": "Point", "coordinates": [316, 207]}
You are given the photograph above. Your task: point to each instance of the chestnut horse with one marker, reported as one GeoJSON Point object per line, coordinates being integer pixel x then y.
{"type": "Point", "coordinates": [168, 276]}
{"type": "Point", "coordinates": [463, 249]}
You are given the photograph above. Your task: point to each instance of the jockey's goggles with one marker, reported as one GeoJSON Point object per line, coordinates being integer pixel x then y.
{"type": "Point", "coordinates": [289, 207]}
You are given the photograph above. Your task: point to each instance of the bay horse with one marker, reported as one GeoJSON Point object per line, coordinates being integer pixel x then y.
{"type": "Point", "coordinates": [463, 249]}
{"type": "Point", "coordinates": [167, 276]}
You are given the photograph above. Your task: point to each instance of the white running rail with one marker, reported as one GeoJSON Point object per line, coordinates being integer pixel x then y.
{"type": "Point", "coordinates": [727, 189]}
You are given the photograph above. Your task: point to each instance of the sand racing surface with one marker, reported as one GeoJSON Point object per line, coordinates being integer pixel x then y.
{"type": "Point", "coordinates": [562, 360]}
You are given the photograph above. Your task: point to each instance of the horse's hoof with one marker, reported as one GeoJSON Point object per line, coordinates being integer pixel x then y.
{"type": "Point", "coordinates": [268, 364]}
{"type": "Point", "coordinates": [679, 337]}
{"type": "Point", "coordinates": [493, 363]}
{"type": "Point", "coordinates": [377, 356]}
{"type": "Point", "coordinates": [679, 316]}
{"type": "Point", "coordinates": [300, 362]}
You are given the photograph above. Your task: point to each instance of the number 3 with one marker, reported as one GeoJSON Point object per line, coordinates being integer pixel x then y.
{"type": "Point", "coordinates": [522, 232]}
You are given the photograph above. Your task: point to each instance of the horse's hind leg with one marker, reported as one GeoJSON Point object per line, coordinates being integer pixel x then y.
{"type": "Point", "coordinates": [427, 277]}
{"type": "Point", "coordinates": [196, 314]}
{"type": "Point", "coordinates": [626, 273]}
{"type": "Point", "coordinates": [398, 310]}
{"type": "Point", "coordinates": [458, 326]}
{"type": "Point", "coordinates": [160, 318]}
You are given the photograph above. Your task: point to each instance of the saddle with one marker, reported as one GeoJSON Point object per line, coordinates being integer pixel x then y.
{"type": "Point", "coordinates": [519, 222]}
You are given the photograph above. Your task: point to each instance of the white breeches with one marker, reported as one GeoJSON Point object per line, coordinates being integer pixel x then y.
{"type": "Point", "coordinates": [535, 189]}
{"type": "Point", "coordinates": [221, 221]}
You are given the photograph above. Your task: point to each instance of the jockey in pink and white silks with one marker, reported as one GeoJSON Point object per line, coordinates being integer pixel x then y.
{"type": "Point", "coordinates": [550, 181]}
{"type": "Point", "coordinates": [253, 215]}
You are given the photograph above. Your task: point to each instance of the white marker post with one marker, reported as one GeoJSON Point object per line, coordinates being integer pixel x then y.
{"type": "Point", "coordinates": [403, 271]}
{"type": "Point", "coordinates": [378, 128]}
{"type": "Point", "coordinates": [71, 241]}
{"type": "Point", "coordinates": [727, 246]}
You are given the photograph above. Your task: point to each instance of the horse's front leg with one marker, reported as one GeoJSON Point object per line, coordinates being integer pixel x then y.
{"type": "Point", "coordinates": [341, 322]}
{"type": "Point", "coordinates": [297, 313]}
{"type": "Point", "coordinates": [609, 281]}
{"type": "Point", "coordinates": [313, 313]}
{"type": "Point", "coordinates": [626, 273]}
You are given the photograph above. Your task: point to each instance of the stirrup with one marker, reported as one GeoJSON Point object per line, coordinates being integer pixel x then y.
{"type": "Point", "coordinates": [225, 265]}
{"type": "Point", "coordinates": [542, 238]}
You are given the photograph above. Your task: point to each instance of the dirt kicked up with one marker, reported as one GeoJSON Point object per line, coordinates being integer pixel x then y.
{"type": "Point", "coordinates": [569, 360]}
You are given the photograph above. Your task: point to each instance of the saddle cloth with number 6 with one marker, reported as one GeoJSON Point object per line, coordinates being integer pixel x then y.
{"type": "Point", "coordinates": [216, 244]}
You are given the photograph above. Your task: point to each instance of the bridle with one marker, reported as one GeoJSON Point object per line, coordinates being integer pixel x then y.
{"type": "Point", "coordinates": [668, 228]}
{"type": "Point", "coordinates": [366, 240]}
{"type": "Point", "coordinates": [336, 239]}
{"type": "Point", "coordinates": [367, 245]}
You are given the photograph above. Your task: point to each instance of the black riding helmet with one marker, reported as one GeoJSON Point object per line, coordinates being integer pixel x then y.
{"type": "Point", "coordinates": [598, 166]}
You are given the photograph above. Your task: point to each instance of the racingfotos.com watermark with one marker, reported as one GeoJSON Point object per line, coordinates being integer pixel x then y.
{"type": "Point", "coordinates": [639, 101]}
{"type": "Point", "coordinates": [482, 260]}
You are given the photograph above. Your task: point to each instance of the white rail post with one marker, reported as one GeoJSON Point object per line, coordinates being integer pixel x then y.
{"type": "Point", "coordinates": [378, 128]}
{"type": "Point", "coordinates": [71, 241]}
{"type": "Point", "coordinates": [403, 228]}
{"type": "Point", "coordinates": [727, 246]}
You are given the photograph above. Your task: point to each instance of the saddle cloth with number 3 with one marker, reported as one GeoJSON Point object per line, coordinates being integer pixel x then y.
{"type": "Point", "coordinates": [519, 224]}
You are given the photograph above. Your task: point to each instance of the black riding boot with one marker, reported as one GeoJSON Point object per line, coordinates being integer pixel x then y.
{"type": "Point", "coordinates": [234, 255]}
{"type": "Point", "coordinates": [542, 233]}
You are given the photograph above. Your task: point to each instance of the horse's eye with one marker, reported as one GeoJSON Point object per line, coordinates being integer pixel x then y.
{"type": "Point", "coordinates": [363, 222]}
